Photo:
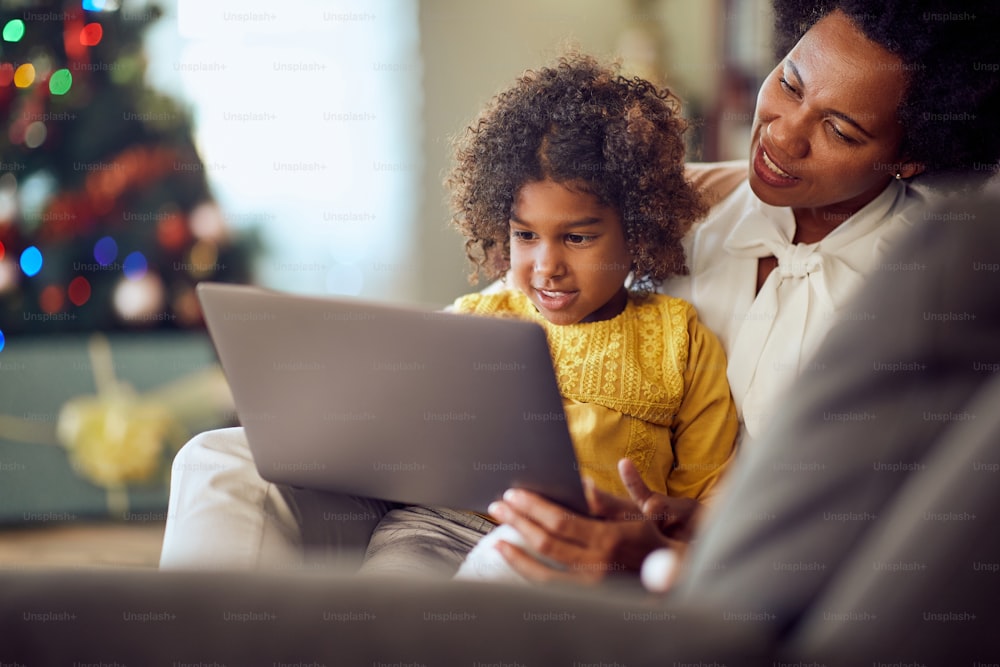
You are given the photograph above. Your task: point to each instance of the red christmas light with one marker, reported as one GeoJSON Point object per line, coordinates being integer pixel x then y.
{"type": "Point", "coordinates": [79, 290]}
{"type": "Point", "coordinates": [91, 34]}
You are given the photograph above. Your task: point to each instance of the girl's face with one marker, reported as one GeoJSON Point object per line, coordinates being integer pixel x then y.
{"type": "Point", "coordinates": [568, 253]}
{"type": "Point", "coordinates": [825, 135]}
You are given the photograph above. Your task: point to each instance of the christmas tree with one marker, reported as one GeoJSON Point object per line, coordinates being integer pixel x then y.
{"type": "Point", "coordinates": [106, 218]}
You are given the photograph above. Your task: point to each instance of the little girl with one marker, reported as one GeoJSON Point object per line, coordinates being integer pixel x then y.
{"type": "Point", "coordinates": [570, 188]}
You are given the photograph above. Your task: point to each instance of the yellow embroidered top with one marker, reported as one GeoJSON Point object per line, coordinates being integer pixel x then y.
{"type": "Point", "coordinates": [649, 384]}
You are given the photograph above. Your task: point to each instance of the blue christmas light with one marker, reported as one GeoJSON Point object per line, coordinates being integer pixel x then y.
{"type": "Point", "coordinates": [31, 261]}
{"type": "Point", "coordinates": [135, 265]}
{"type": "Point", "coordinates": [105, 251]}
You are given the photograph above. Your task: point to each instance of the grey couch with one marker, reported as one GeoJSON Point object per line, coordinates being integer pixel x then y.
{"type": "Point", "coordinates": [864, 530]}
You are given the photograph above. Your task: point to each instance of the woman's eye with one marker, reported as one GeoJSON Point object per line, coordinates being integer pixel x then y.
{"type": "Point", "coordinates": [788, 86]}
{"type": "Point", "coordinates": [841, 136]}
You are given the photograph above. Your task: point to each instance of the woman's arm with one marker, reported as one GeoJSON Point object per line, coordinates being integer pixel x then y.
{"type": "Point", "coordinates": [716, 180]}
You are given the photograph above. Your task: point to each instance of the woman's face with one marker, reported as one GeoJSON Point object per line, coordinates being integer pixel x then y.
{"type": "Point", "coordinates": [825, 135]}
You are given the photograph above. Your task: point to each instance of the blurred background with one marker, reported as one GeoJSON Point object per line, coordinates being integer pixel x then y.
{"type": "Point", "coordinates": [298, 145]}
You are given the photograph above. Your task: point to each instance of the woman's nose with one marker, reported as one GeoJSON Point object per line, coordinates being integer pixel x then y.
{"type": "Point", "coordinates": [787, 133]}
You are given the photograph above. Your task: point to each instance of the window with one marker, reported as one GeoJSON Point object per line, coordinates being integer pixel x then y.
{"type": "Point", "coordinates": [307, 120]}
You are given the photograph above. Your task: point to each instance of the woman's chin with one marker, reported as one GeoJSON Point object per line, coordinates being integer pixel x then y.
{"type": "Point", "coordinates": [773, 196]}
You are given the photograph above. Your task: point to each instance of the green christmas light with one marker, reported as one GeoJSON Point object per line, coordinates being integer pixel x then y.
{"type": "Point", "coordinates": [13, 31]}
{"type": "Point", "coordinates": [60, 82]}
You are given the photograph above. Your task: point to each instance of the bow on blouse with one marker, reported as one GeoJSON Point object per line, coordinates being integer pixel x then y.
{"type": "Point", "coordinates": [799, 300]}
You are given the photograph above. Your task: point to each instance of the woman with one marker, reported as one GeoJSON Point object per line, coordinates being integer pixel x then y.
{"type": "Point", "coordinates": [842, 125]}
{"type": "Point", "coordinates": [862, 104]}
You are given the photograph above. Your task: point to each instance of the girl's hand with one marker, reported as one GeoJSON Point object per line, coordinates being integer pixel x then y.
{"type": "Point", "coordinates": [623, 533]}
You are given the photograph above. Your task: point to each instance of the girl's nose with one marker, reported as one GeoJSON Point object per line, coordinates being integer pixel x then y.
{"type": "Point", "coordinates": [548, 261]}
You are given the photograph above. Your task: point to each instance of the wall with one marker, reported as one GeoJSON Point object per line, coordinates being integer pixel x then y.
{"type": "Point", "coordinates": [471, 50]}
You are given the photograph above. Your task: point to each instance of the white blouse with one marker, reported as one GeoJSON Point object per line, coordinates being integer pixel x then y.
{"type": "Point", "coordinates": [770, 337]}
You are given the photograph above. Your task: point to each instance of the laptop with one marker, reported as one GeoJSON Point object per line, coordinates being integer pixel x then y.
{"type": "Point", "coordinates": [392, 402]}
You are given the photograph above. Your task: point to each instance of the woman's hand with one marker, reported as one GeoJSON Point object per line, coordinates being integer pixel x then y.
{"type": "Point", "coordinates": [621, 534]}
{"type": "Point", "coordinates": [675, 517]}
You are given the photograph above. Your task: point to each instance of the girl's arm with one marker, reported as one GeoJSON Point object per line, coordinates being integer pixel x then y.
{"type": "Point", "coordinates": [628, 530]}
{"type": "Point", "coordinates": [706, 425]}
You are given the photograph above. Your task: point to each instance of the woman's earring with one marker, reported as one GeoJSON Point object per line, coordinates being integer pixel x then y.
{"type": "Point", "coordinates": [899, 176]}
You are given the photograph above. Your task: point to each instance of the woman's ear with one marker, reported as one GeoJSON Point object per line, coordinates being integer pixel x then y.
{"type": "Point", "coordinates": [909, 169]}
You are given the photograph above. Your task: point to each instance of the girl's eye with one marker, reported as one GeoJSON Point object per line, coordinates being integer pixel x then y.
{"type": "Point", "coordinates": [521, 235]}
{"type": "Point", "coordinates": [578, 238]}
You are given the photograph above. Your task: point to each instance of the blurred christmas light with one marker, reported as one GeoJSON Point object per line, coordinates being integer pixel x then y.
{"type": "Point", "coordinates": [6, 74]}
{"type": "Point", "coordinates": [91, 34]}
{"type": "Point", "coordinates": [8, 197]}
{"type": "Point", "coordinates": [101, 5]}
{"type": "Point", "coordinates": [8, 275]}
{"type": "Point", "coordinates": [185, 306]}
{"type": "Point", "coordinates": [72, 218]}
{"type": "Point", "coordinates": [203, 258]}
{"type": "Point", "coordinates": [207, 222]}
{"type": "Point", "coordinates": [31, 261]}
{"type": "Point", "coordinates": [13, 31]}
{"type": "Point", "coordinates": [172, 232]}
{"type": "Point", "coordinates": [51, 299]}
{"type": "Point", "coordinates": [43, 66]}
{"type": "Point", "coordinates": [16, 133]}
{"type": "Point", "coordinates": [135, 265]}
{"type": "Point", "coordinates": [35, 190]}
{"type": "Point", "coordinates": [105, 251]}
{"type": "Point", "coordinates": [35, 135]}
{"type": "Point", "coordinates": [75, 51]}
{"type": "Point", "coordinates": [139, 300]}
{"type": "Point", "coordinates": [3, 341]}
{"type": "Point", "coordinates": [60, 82]}
{"type": "Point", "coordinates": [79, 290]}
{"type": "Point", "coordinates": [24, 75]}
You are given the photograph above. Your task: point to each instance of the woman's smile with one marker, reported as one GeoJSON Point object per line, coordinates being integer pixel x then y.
{"type": "Point", "coordinates": [769, 171]}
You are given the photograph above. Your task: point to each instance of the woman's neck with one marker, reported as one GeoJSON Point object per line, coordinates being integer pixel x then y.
{"type": "Point", "coordinates": [812, 225]}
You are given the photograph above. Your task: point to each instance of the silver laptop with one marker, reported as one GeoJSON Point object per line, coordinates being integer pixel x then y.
{"type": "Point", "coordinates": [393, 402]}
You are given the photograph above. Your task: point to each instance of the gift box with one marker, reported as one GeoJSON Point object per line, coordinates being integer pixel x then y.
{"type": "Point", "coordinates": [90, 423]}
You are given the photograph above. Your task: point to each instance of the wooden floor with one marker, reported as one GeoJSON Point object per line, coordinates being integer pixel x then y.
{"type": "Point", "coordinates": [101, 545]}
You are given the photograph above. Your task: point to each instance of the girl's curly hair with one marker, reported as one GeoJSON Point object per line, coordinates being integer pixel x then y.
{"type": "Point", "coordinates": [582, 124]}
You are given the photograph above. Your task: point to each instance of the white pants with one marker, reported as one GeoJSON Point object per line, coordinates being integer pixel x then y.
{"type": "Point", "coordinates": [484, 562]}
{"type": "Point", "coordinates": [223, 515]}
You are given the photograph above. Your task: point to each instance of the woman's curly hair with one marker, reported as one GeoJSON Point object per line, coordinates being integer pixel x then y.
{"type": "Point", "coordinates": [582, 124]}
{"type": "Point", "coordinates": [950, 52]}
